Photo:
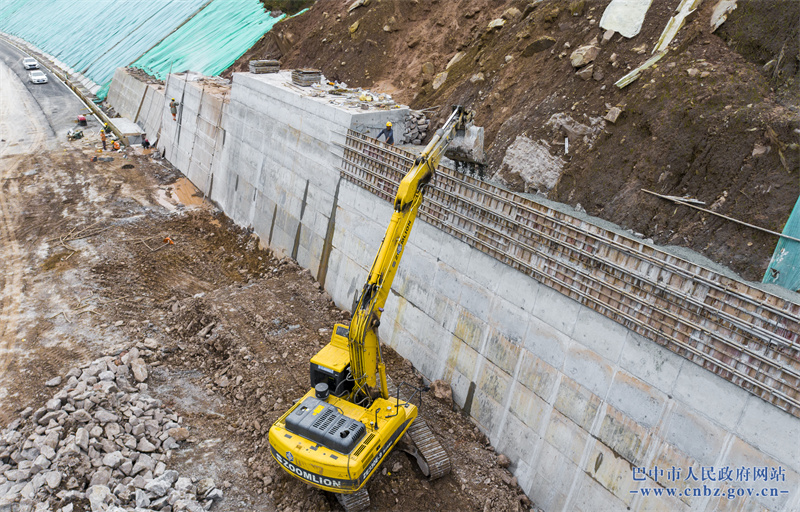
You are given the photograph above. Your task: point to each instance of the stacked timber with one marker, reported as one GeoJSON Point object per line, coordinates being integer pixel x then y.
{"type": "Point", "coordinates": [306, 77]}
{"type": "Point", "coordinates": [264, 66]}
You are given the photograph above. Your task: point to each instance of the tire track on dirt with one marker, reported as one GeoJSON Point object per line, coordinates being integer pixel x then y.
{"type": "Point", "coordinates": [18, 116]}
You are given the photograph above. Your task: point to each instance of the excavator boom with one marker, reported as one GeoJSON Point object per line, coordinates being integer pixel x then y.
{"type": "Point", "coordinates": [364, 347]}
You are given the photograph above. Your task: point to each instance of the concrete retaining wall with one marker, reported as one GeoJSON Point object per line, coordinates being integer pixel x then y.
{"type": "Point", "coordinates": [140, 102]}
{"type": "Point", "coordinates": [574, 399]}
{"type": "Point", "coordinates": [279, 160]}
{"type": "Point", "coordinates": [193, 141]}
{"type": "Point", "coordinates": [126, 93]}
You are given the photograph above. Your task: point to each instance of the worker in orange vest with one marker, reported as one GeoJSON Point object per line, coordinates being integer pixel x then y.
{"type": "Point", "coordinates": [103, 138]}
{"type": "Point", "coordinates": [173, 108]}
{"type": "Point", "coordinates": [116, 145]}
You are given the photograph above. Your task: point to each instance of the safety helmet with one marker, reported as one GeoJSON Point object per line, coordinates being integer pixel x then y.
{"type": "Point", "coordinates": [173, 99]}
{"type": "Point", "coordinates": [389, 124]}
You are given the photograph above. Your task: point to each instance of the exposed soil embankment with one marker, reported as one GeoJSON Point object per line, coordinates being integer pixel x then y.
{"type": "Point", "coordinates": [716, 119]}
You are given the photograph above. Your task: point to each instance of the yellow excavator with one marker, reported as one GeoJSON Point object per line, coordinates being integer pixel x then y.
{"type": "Point", "coordinates": [337, 435]}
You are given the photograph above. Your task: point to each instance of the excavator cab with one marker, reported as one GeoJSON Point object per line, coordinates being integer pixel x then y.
{"type": "Point", "coordinates": [331, 365]}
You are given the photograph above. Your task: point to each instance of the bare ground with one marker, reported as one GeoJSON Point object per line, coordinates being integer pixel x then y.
{"type": "Point", "coordinates": [227, 328]}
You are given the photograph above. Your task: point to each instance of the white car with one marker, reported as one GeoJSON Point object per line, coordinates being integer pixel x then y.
{"type": "Point", "coordinates": [37, 77]}
{"type": "Point", "coordinates": [29, 63]}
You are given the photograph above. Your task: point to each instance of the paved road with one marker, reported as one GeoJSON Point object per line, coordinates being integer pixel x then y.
{"type": "Point", "coordinates": [33, 118]}
{"type": "Point", "coordinates": [53, 103]}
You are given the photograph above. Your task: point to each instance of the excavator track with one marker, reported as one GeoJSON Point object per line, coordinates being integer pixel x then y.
{"type": "Point", "coordinates": [354, 502]}
{"type": "Point", "coordinates": [429, 448]}
{"type": "Point", "coordinates": [424, 447]}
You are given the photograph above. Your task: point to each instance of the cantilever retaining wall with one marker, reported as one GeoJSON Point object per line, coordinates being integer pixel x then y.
{"type": "Point", "coordinates": [570, 384]}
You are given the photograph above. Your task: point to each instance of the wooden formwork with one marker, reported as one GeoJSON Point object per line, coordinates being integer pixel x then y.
{"type": "Point", "coordinates": [741, 333]}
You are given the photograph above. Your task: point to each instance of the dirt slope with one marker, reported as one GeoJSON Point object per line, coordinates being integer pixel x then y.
{"type": "Point", "coordinates": [716, 119]}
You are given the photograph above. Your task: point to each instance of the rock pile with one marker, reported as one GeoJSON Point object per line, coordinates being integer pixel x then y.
{"type": "Point", "coordinates": [100, 444]}
{"type": "Point", "coordinates": [416, 128]}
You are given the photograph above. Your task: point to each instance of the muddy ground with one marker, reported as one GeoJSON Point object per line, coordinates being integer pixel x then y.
{"type": "Point", "coordinates": [108, 255]}
{"type": "Point", "coordinates": [717, 119]}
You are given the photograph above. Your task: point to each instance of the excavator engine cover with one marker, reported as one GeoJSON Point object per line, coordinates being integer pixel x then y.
{"type": "Point", "coordinates": [322, 423]}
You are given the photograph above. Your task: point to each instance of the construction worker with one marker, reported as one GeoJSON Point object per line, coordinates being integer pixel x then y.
{"type": "Point", "coordinates": [388, 133]}
{"type": "Point", "coordinates": [173, 108]}
{"type": "Point", "coordinates": [103, 138]}
{"type": "Point", "coordinates": [106, 128]}
{"type": "Point", "coordinates": [116, 145]}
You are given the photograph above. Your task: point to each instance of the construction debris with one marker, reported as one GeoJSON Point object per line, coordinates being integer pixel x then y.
{"type": "Point", "coordinates": [685, 202]}
{"type": "Point", "coordinates": [118, 456]}
{"type": "Point", "coordinates": [341, 95]}
{"type": "Point", "coordinates": [634, 74]}
{"type": "Point", "coordinates": [675, 23]}
{"type": "Point", "coordinates": [625, 16]}
{"type": "Point", "coordinates": [721, 11]}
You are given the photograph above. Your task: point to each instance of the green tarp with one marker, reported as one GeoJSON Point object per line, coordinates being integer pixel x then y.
{"type": "Point", "coordinates": [211, 41]}
{"type": "Point", "coordinates": [95, 37]}
{"type": "Point", "coordinates": [784, 268]}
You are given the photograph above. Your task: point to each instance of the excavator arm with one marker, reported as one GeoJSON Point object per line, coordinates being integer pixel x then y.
{"type": "Point", "coordinates": [365, 356]}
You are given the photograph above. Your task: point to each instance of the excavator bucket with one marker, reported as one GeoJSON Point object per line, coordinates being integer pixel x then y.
{"type": "Point", "coordinates": [467, 146]}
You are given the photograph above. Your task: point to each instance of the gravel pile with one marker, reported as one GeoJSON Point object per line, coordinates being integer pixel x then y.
{"type": "Point", "coordinates": [100, 444]}
{"type": "Point", "coordinates": [416, 128]}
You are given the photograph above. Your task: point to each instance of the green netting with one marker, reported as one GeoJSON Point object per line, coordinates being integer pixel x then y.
{"type": "Point", "coordinates": [211, 41]}
{"type": "Point", "coordinates": [95, 37]}
{"type": "Point", "coordinates": [784, 268]}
